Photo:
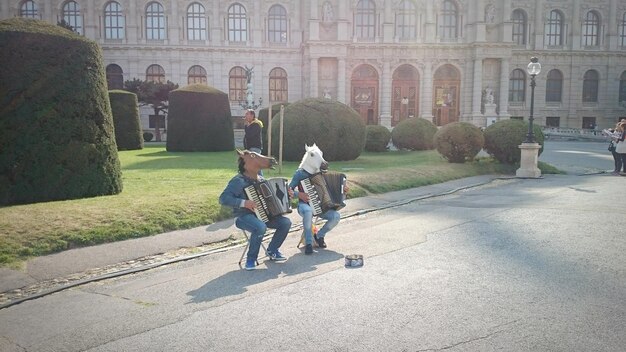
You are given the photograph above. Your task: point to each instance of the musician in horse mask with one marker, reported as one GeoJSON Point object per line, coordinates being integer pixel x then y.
{"type": "Point", "coordinates": [312, 165]}
{"type": "Point", "coordinates": [234, 196]}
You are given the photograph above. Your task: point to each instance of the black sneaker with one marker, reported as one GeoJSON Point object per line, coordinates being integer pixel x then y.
{"type": "Point", "coordinates": [320, 241]}
{"type": "Point", "coordinates": [308, 249]}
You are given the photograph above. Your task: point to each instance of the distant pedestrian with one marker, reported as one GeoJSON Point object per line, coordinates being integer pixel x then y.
{"type": "Point", "coordinates": [617, 158]}
{"type": "Point", "coordinates": [621, 145]}
{"type": "Point", "coordinates": [252, 139]}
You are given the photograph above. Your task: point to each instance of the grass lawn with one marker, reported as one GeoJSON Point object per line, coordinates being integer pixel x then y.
{"type": "Point", "coordinates": [166, 191]}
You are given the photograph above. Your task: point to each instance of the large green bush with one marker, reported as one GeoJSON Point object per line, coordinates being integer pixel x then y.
{"type": "Point", "coordinates": [128, 134]}
{"type": "Point", "coordinates": [377, 139]}
{"type": "Point", "coordinates": [414, 134]}
{"type": "Point", "coordinates": [459, 141]}
{"type": "Point", "coordinates": [335, 127]}
{"type": "Point", "coordinates": [503, 138]}
{"type": "Point", "coordinates": [199, 120]}
{"type": "Point", "coordinates": [262, 115]}
{"type": "Point", "coordinates": [56, 130]}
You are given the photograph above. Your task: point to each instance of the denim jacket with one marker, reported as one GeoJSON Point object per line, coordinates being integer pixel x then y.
{"type": "Point", "coordinates": [234, 195]}
{"type": "Point", "coordinates": [298, 176]}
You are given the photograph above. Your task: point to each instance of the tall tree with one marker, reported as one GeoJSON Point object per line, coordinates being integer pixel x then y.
{"type": "Point", "coordinates": [155, 95]}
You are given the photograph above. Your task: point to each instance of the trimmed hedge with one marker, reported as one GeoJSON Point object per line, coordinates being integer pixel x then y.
{"type": "Point", "coordinates": [336, 128]}
{"type": "Point", "coordinates": [377, 139]}
{"type": "Point", "coordinates": [414, 134]}
{"type": "Point", "coordinates": [199, 120]}
{"type": "Point", "coordinates": [503, 138]}
{"type": "Point", "coordinates": [262, 115]}
{"type": "Point", "coordinates": [56, 129]}
{"type": "Point", "coordinates": [459, 142]}
{"type": "Point", "coordinates": [125, 109]}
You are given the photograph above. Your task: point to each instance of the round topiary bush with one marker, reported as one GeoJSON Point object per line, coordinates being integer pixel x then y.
{"type": "Point", "coordinates": [459, 141]}
{"type": "Point", "coordinates": [377, 139]}
{"type": "Point", "coordinates": [262, 115]}
{"type": "Point", "coordinates": [147, 136]}
{"type": "Point", "coordinates": [502, 139]}
{"type": "Point", "coordinates": [414, 134]}
{"type": "Point", "coordinates": [125, 111]}
{"type": "Point", "coordinates": [199, 120]}
{"type": "Point", "coordinates": [336, 128]}
{"type": "Point", "coordinates": [57, 139]}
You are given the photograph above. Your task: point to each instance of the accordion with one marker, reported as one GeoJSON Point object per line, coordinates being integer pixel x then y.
{"type": "Point", "coordinates": [271, 198]}
{"type": "Point", "coordinates": [325, 191]}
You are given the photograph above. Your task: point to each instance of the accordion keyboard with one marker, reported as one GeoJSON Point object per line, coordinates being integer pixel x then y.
{"type": "Point", "coordinates": [259, 210]}
{"type": "Point", "coordinates": [314, 199]}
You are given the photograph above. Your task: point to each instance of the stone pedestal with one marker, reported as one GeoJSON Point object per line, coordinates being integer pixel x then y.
{"type": "Point", "coordinates": [385, 120]}
{"type": "Point", "coordinates": [528, 162]}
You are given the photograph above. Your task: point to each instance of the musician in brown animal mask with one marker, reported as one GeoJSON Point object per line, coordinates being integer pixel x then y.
{"type": "Point", "coordinates": [234, 196]}
{"type": "Point", "coordinates": [312, 163]}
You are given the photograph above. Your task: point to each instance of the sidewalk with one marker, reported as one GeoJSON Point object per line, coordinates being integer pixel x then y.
{"type": "Point", "coordinates": [44, 273]}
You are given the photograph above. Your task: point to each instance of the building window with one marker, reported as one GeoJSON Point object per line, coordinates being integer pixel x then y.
{"type": "Point", "coordinates": [156, 74]}
{"type": "Point", "coordinates": [590, 87]}
{"type": "Point", "coordinates": [114, 26]}
{"type": "Point", "coordinates": [519, 27]}
{"type": "Point", "coordinates": [237, 23]}
{"type": "Point", "coordinates": [278, 85]}
{"type": "Point", "coordinates": [554, 86]}
{"type": "Point", "coordinates": [115, 77]}
{"type": "Point", "coordinates": [277, 24]}
{"type": "Point", "coordinates": [196, 22]}
{"type": "Point", "coordinates": [29, 10]}
{"type": "Point", "coordinates": [622, 31]}
{"type": "Point", "coordinates": [622, 88]}
{"type": "Point", "coordinates": [155, 21]}
{"type": "Point", "coordinates": [591, 29]}
{"type": "Point", "coordinates": [553, 121]}
{"type": "Point", "coordinates": [72, 16]}
{"type": "Point", "coordinates": [365, 19]}
{"type": "Point", "coordinates": [196, 74]}
{"type": "Point", "coordinates": [406, 20]}
{"type": "Point", "coordinates": [517, 86]}
{"type": "Point", "coordinates": [554, 29]}
{"type": "Point", "coordinates": [589, 122]}
{"type": "Point", "coordinates": [237, 84]}
{"type": "Point", "coordinates": [448, 20]}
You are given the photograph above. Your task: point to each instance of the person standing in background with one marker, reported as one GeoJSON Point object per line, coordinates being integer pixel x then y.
{"type": "Point", "coordinates": [252, 139]}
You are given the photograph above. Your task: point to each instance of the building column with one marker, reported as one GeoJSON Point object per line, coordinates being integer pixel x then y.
{"type": "Point", "coordinates": [466, 94]}
{"type": "Point", "coordinates": [426, 99]}
{"type": "Point", "coordinates": [314, 93]}
{"type": "Point", "coordinates": [539, 16]}
{"type": "Point", "coordinates": [477, 92]}
{"type": "Point", "coordinates": [611, 36]}
{"type": "Point", "coordinates": [341, 81]}
{"type": "Point", "coordinates": [385, 103]}
{"type": "Point", "coordinates": [504, 89]}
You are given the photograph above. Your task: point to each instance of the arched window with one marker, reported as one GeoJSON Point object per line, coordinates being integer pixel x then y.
{"type": "Point", "coordinates": [196, 74]}
{"type": "Point", "coordinates": [237, 84]}
{"type": "Point", "coordinates": [29, 9]}
{"type": "Point", "coordinates": [155, 21]}
{"type": "Point", "coordinates": [554, 86]}
{"type": "Point", "coordinates": [448, 20]}
{"type": "Point", "coordinates": [590, 86]}
{"type": "Point", "coordinates": [622, 31]}
{"type": "Point", "coordinates": [156, 74]}
{"type": "Point", "coordinates": [72, 16]}
{"type": "Point", "coordinates": [237, 23]}
{"type": "Point", "coordinates": [114, 26]}
{"type": "Point", "coordinates": [554, 29]}
{"type": "Point", "coordinates": [277, 24]}
{"type": "Point", "coordinates": [591, 29]}
{"type": "Point", "coordinates": [278, 85]}
{"type": "Point", "coordinates": [622, 88]}
{"type": "Point", "coordinates": [406, 20]}
{"type": "Point", "coordinates": [196, 22]}
{"type": "Point", "coordinates": [517, 86]}
{"type": "Point", "coordinates": [519, 27]}
{"type": "Point", "coordinates": [115, 77]}
{"type": "Point", "coordinates": [365, 19]}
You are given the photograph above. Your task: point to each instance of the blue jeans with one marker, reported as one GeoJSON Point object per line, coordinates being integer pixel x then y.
{"type": "Point", "coordinates": [331, 216]}
{"type": "Point", "coordinates": [257, 228]}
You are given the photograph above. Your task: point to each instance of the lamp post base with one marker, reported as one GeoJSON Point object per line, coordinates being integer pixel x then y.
{"type": "Point", "coordinates": [528, 161]}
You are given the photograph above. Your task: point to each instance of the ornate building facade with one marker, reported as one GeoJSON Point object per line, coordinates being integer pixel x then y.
{"type": "Point", "coordinates": [443, 60]}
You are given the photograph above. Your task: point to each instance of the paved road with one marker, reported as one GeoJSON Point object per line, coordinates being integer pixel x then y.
{"type": "Point", "coordinates": [515, 265]}
{"type": "Point", "coordinates": [578, 157]}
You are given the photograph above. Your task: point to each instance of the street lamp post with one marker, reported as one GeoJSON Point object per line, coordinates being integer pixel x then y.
{"type": "Point", "coordinates": [533, 69]}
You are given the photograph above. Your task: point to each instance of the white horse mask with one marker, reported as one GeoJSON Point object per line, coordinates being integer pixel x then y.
{"type": "Point", "coordinates": [313, 160]}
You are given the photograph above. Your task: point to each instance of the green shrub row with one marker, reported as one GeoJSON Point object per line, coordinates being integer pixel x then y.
{"type": "Point", "coordinates": [125, 109]}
